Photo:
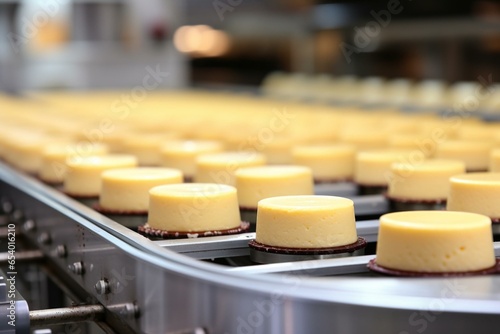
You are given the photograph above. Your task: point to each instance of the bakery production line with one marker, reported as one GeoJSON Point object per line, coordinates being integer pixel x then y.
{"type": "Point", "coordinates": [115, 280]}
{"type": "Point", "coordinates": [67, 265]}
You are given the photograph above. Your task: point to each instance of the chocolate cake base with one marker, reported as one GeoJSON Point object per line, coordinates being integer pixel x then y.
{"type": "Point", "coordinates": [162, 234]}
{"type": "Point", "coordinates": [371, 190]}
{"type": "Point", "coordinates": [401, 204]}
{"type": "Point", "coordinates": [373, 266]}
{"type": "Point", "coordinates": [329, 181]}
{"type": "Point", "coordinates": [261, 253]}
{"type": "Point", "coordinates": [130, 219]}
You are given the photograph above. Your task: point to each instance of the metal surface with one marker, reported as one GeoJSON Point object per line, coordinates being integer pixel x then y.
{"type": "Point", "coordinates": [408, 206]}
{"type": "Point", "coordinates": [342, 189]}
{"type": "Point", "coordinates": [265, 257]}
{"type": "Point", "coordinates": [237, 245]}
{"type": "Point", "coordinates": [370, 205]}
{"type": "Point", "coordinates": [174, 292]}
{"type": "Point", "coordinates": [22, 256]}
{"type": "Point", "coordinates": [14, 310]}
{"type": "Point", "coordinates": [496, 229]}
{"type": "Point", "coordinates": [41, 318]}
{"type": "Point", "coordinates": [324, 267]}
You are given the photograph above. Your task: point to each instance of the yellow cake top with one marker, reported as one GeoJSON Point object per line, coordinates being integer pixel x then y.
{"type": "Point", "coordinates": [142, 174]}
{"type": "Point", "coordinates": [229, 158]}
{"type": "Point", "coordinates": [483, 179]}
{"type": "Point", "coordinates": [273, 172]}
{"type": "Point", "coordinates": [430, 166]}
{"type": "Point", "coordinates": [382, 156]}
{"type": "Point", "coordinates": [208, 190]}
{"type": "Point", "coordinates": [99, 162]}
{"type": "Point", "coordinates": [63, 150]}
{"type": "Point", "coordinates": [435, 221]}
{"type": "Point", "coordinates": [322, 149]}
{"type": "Point", "coordinates": [191, 146]}
{"type": "Point", "coordinates": [305, 203]}
{"type": "Point", "coordinates": [463, 146]}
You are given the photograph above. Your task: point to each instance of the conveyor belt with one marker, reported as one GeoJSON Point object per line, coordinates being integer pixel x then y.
{"type": "Point", "coordinates": [153, 287]}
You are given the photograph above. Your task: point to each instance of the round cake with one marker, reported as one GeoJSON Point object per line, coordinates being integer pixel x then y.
{"type": "Point", "coordinates": [220, 167]}
{"type": "Point", "coordinates": [475, 154]}
{"type": "Point", "coordinates": [53, 167]}
{"type": "Point", "coordinates": [364, 139]}
{"type": "Point", "coordinates": [306, 222]}
{"type": "Point", "coordinates": [329, 163]}
{"type": "Point", "coordinates": [435, 242]}
{"type": "Point", "coordinates": [373, 168]}
{"type": "Point", "coordinates": [193, 207]}
{"type": "Point", "coordinates": [475, 192]}
{"type": "Point", "coordinates": [494, 161]}
{"type": "Point", "coordinates": [83, 177]}
{"type": "Point", "coordinates": [25, 151]}
{"type": "Point", "coordinates": [146, 147]}
{"type": "Point", "coordinates": [428, 181]}
{"type": "Point", "coordinates": [182, 154]}
{"type": "Point", "coordinates": [412, 141]}
{"type": "Point", "coordinates": [256, 183]}
{"type": "Point", "coordinates": [126, 190]}
{"type": "Point", "coordinates": [278, 151]}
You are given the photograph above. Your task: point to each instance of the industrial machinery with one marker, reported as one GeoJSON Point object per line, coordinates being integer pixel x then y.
{"type": "Point", "coordinates": [127, 283]}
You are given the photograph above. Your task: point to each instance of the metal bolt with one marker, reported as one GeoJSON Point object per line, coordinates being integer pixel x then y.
{"type": "Point", "coordinates": [29, 225]}
{"type": "Point", "coordinates": [16, 216]}
{"type": "Point", "coordinates": [44, 238]}
{"type": "Point", "coordinates": [77, 268]}
{"type": "Point", "coordinates": [42, 331]}
{"type": "Point", "coordinates": [130, 311]}
{"type": "Point", "coordinates": [197, 330]}
{"type": "Point", "coordinates": [61, 251]}
{"type": "Point", "coordinates": [102, 287]}
{"type": "Point", "coordinates": [6, 206]}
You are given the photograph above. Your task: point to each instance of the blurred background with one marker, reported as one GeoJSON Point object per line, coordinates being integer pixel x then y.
{"type": "Point", "coordinates": [94, 44]}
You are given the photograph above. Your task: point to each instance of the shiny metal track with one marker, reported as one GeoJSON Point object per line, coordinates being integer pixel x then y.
{"type": "Point", "coordinates": [173, 292]}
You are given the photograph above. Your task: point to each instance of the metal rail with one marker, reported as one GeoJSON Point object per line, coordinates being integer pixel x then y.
{"type": "Point", "coordinates": [59, 316]}
{"type": "Point", "coordinates": [237, 245]}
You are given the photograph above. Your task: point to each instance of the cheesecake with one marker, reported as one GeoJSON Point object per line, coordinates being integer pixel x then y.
{"type": "Point", "coordinates": [423, 184]}
{"type": "Point", "coordinates": [182, 154]}
{"type": "Point", "coordinates": [439, 242]}
{"type": "Point", "coordinates": [257, 183]}
{"type": "Point", "coordinates": [494, 165]}
{"type": "Point", "coordinates": [306, 222]}
{"type": "Point", "coordinates": [193, 208]}
{"type": "Point", "coordinates": [329, 163]}
{"type": "Point", "coordinates": [83, 177]}
{"type": "Point", "coordinates": [126, 190]}
{"type": "Point", "coordinates": [476, 192]}
{"type": "Point", "coordinates": [364, 138]}
{"type": "Point", "coordinates": [146, 147]}
{"type": "Point", "coordinates": [53, 165]}
{"type": "Point", "coordinates": [221, 167]}
{"type": "Point", "coordinates": [475, 154]}
{"type": "Point", "coordinates": [372, 168]}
